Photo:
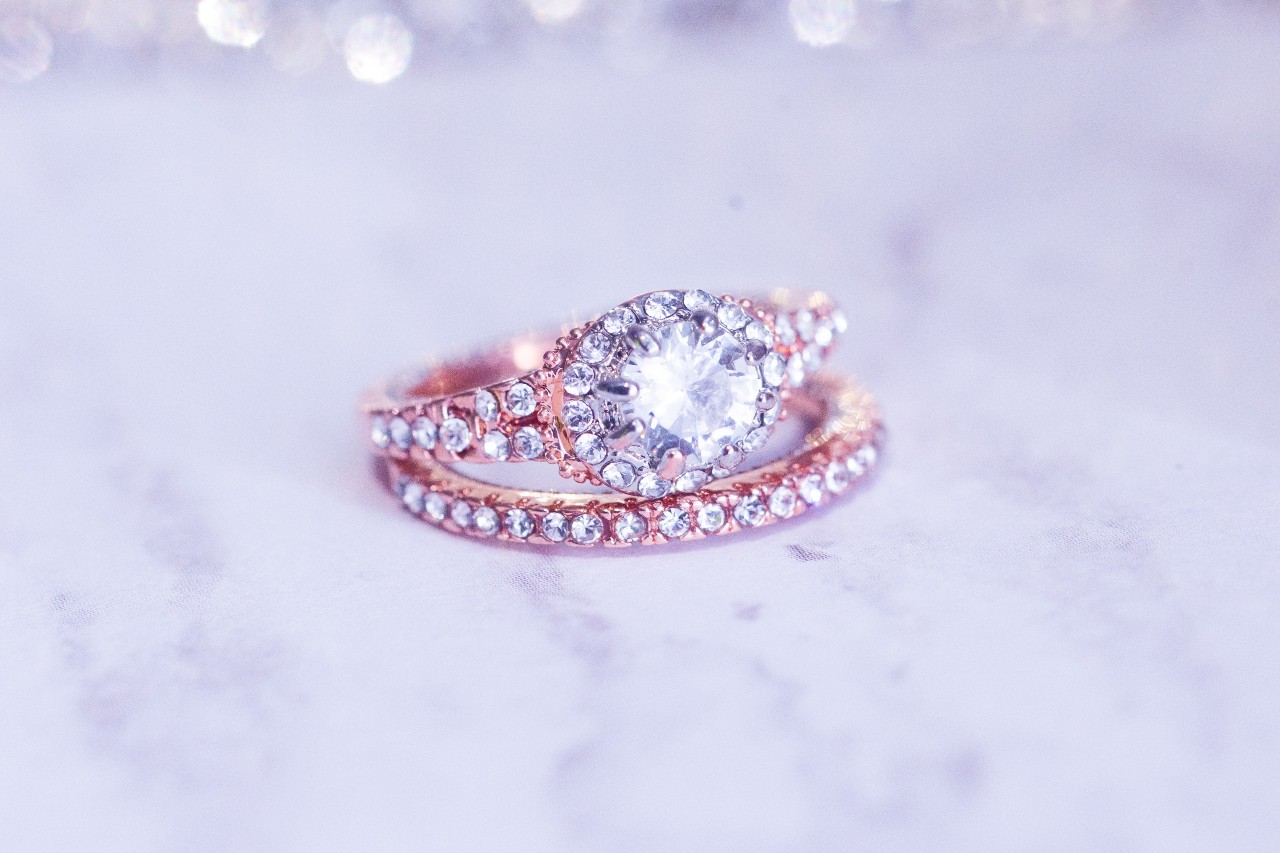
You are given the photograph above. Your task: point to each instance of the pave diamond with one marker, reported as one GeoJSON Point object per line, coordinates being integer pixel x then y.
{"type": "Point", "coordinates": [496, 446]}
{"type": "Point", "coordinates": [486, 406]}
{"type": "Point", "coordinates": [460, 512]}
{"type": "Point", "coordinates": [401, 434]}
{"type": "Point", "coordinates": [520, 400]}
{"type": "Point", "coordinates": [518, 523]}
{"type": "Point", "coordinates": [662, 304]}
{"type": "Point", "coordinates": [711, 518]}
{"type": "Point", "coordinates": [424, 433]}
{"type": "Point", "coordinates": [837, 478]}
{"type": "Point", "coordinates": [577, 415]}
{"type": "Point", "coordinates": [811, 489]}
{"type": "Point", "coordinates": [378, 431]}
{"type": "Point", "coordinates": [733, 316]}
{"type": "Point", "coordinates": [782, 502]}
{"type": "Point", "coordinates": [618, 475]}
{"type": "Point", "coordinates": [691, 481]}
{"type": "Point", "coordinates": [774, 369]}
{"type": "Point", "coordinates": [696, 392]}
{"type": "Point", "coordinates": [618, 320]}
{"type": "Point", "coordinates": [586, 529]}
{"type": "Point", "coordinates": [595, 347]}
{"type": "Point", "coordinates": [578, 378]}
{"type": "Point", "coordinates": [435, 506]}
{"type": "Point", "coordinates": [755, 439]}
{"type": "Point", "coordinates": [413, 497]}
{"type": "Point", "coordinates": [630, 527]}
{"type": "Point", "coordinates": [673, 522]}
{"type": "Point", "coordinates": [700, 300]}
{"type": "Point", "coordinates": [455, 435]}
{"type": "Point", "coordinates": [555, 527]}
{"type": "Point", "coordinates": [590, 448]}
{"type": "Point", "coordinates": [750, 511]}
{"type": "Point", "coordinates": [653, 486]}
{"type": "Point", "coordinates": [527, 443]}
{"type": "Point", "coordinates": [485, 518]}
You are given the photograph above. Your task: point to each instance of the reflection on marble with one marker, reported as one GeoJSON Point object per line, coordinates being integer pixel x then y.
{"type": "Point", "coordinates": [1050, 624]}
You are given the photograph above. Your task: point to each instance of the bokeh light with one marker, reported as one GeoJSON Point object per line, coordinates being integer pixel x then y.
{"type": "Point", "coordinates": [554, 11]}
{"type": "Point", "coordinates": [240, 23]}
{"type": "Point", "coordinates": [377, 48]}
{"type": "Point", "coordinates": [822, 23]}
{"type": "Point", "coordinates": [26, 49]}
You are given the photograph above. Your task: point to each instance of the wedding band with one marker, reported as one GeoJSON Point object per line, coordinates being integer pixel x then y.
{"type": "Point", "coordinates": [668, 394]}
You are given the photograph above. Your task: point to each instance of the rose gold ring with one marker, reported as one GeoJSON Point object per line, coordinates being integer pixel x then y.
{"type": "Point", "coordinates": [668, 394]}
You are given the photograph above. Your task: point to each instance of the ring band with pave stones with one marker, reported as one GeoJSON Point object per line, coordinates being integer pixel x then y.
{"type": "Point", "coordinates": [660, 403]}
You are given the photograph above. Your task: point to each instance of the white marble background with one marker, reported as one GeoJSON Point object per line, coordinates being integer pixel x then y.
{"type": "Point", "coordinates": [1051, 624]}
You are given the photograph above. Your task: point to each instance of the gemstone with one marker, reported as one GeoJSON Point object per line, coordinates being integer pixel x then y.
{"type": "Point", "coordinates": [758, 331]}
{"type": "Point", "coordinates": [435, 506]}
{"type": "Point", "coordinates": [520, 400]}
{"type": "Point", "coordinates": [413, 496]}
{"type": "Point", "coordinates": [837, 478]}
{"type": "Point", "coordinates": [424, 433]}
{"type": "Point", "coordinates": [653, 486]}
{"type": "Point", "coordinates": [823, 334]}
{"type": "Point", "coordinates": [578, 378]}
{"type": "Point", "coordinates": [618, 475]}
{"type": "Point", "coordinates": [595, 347]}
{"type": "Point", "coordinates": [711, 518]}
{"type": "Point", "coordinates": [527, 443]}
{"type": "Point", "coordinates": [460, 512]}
{"type": "Point", "coordinates": [673, 522]}
{"type": "Point", "coordinates": [755, 439]}
{"type": "Point", "coordinates": [455, 435]}
{"type": "Point", "coordinates": [401, 434]}
{"type": "Point", "coordinates": [577, 415]}
{"type": "Point", "coordinates": [496, 446]}
{"type": "Point", "coordinates": [691, 481]}
{"type": "Point", "coordinates": [485, 519]}
{"type": "Point", "coordinates": [730, 459]}
{"type": "Point", "coordinates": [630, 527]}
{"type": "Point", "coordinates": [785, 331]}
{"type": "Point", "coordinates": [812, 357]}
{"type": "Point", "coordinates": [804, 325]}
{"type": "Point", "coordinates": [695, 392]}
{"type": "Point", "coordinates": [555, 527]}
{"type": "Point", "coordinates": [378, 431]}
{"type": "Point", "coordinates": [618, 320]}
{"type": "Point", "coordinates": [782, 502]}
{"type": "Point", "coordinates": [733, 316]}
{"type": "Point", "coordinates": [486, 406]}
{"type": "Point", "coordinates": [700, 300]}
{"type": "Point", "coordinates": [795, 369]}
{"type": "Point", "coordinates": [811, 489]}
{"type": "Point", "coordinates": [774, 369]}
{"type": "Point", "coordinates": [867, 455]}
{"type": "Point", "coordinates": [590, 448]}
{"type": "Point", "coordinates": [854, 466]}
{"type": "Point", "coordinates": [840, 321]}
{"type": "Point", "coordinates": [586, 529]}
{"type": "Point", "coordinates": [662, 305]}
{"type": "Point", "coordinates": [750, 511]}
{"type": "Point", "coordinates": [518, 523]}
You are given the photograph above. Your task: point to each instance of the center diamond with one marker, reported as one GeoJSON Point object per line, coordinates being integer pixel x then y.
{"type": "Point", "coordinates": [696, 392]}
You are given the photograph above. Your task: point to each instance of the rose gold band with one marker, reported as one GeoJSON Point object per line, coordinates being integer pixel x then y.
{"type": "Point", "coordinates": [842, 447]}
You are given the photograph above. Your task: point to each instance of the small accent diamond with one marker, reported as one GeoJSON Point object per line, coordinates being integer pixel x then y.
{"type": "Point", "coordinates": [595, 347]}
{"type": "Point", "coordinates": [840, 321]}
{"type": "Point", "coordinates": [774, 369]}
{"type": "Point", "coordinates": [795, 369]}
{"type": "Point", "coordinates": [378, 431]}
{"type": "Point", "coordinates": [518, 523]}
{"type": "Point", "coordinates": [711, 518]}
{"type": "Point", "coordinates": [587, 529]}
{"type": "Point", "coordinates": [837, 478]}
{"type": "Point", "coordinates": [661, 305]}
{"type": "Point", "coordinates": [401, 435]}
{"type": "Point", "coordinates": [413, 497]}
{"type": "Point", "coordinates": [755, 439]}
{"type": "Point", "coordinates": [578, 378]}
{"type": "Point", "coordinates": [750, 511]}
{"type": "Point", "coordinates": [855, 466]}
{"type": "Point", "coordinates": [823, 334]}
{"type": "Point", "coordinates": [455, 435]}
{"type": "Point", "coordinates": [732, 316]}
{"type": "Point", "coordinates": [804, 325]}
{"type": "Point", "coordinates": [674, 522]}
{"type": "Point", "coordinates": [786, 332]}
{"type": "Point", "coordinates": [486, 406]}
{"type": "Point", "coordinates": [496, 446]}
{"type": "Point", "coordinates": [867, 455]}
{"type": "Point", "coordinates": [618, 320]}
{"type": "Point", "coordinates": [653, 486]}
{"type": "Point", "coordinates": [520, 400]}
{"type": "Point", "coordinates": [783, 502]}
{"type": "Point", "coordinates": [589, 448]}
{"type": "Point", "coordinates": [618, 475]}
{"type": "Point", "coordinates": [758, 331]}
{"type": "Point", "coordinates": [630, 527]}
{"type": "Point", "coordinates": [424, 433]}
{"type": "Point", "coordinates": [811, 489]}
{"type": "Point", "coordinates": [528, 443]}
{"type": "Point", "coordinates": [436, 506]}
{"type": "Point", "coordinates": [691, 481]}
{"type": "Point", "coordinates": [577, 415]}
{"type": "Point", "coordinates": [485, 519]}
{"type": "Point", "coordinates": [555, 527]}
{"type": "Point", "coordinates": [460, 512]}
{"type": "Point", "coordinates": [700, 300]}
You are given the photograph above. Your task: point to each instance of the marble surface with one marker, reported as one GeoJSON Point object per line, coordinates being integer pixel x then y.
{"type": "Point", "coordinates": [1050, 624]}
